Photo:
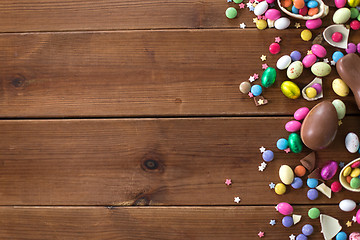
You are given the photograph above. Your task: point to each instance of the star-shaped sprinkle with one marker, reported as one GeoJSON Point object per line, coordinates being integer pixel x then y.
{"type": "Point", "coordinates": [256, 76]}
{"type": "Point", "coordinates": [250, 94]}
{"type": "Point", "coordinates": [339, 122]}
{"type": "Point", "coordinates": [261, 234]}
{"type": "Point", "coordinates": [348, 224]}
{"type": "Point", "coordinates": [341, 164]}
{"type": "Point", "coordinates": [354, 218]}
{"type": "Point", "coordinates": [292, 237]}
{"type": "Point", "coordinates": [264, 66]}
{"type": "Point", "coordinates": [261, 168]}
{"type": "Point", "coordinates": [272, 185]}
{"type": "Point", "coordinates": [332, 63]}
{"type": "Point", "coordinates": [228, 182]}
{"type": "Point", "coordinates": [277, 39]}
{"type": "Point", "coordinates": [242, 25]}
{"type": "Point", "coordinates": [229, 1]}
{"type": "Point", "coordinates": [241, 5]}
{"type": "Point", "coordinates": [287, 150]}
{"type": "Point", "coordinates": [251, 9]}
{"type": "Point", "coordinates": [237, 199]}
{"type": "Point", "coordinates": [251, 79]}
{"type": "Point", "coordinates": [263, 164]}
{"type": "Point", "coordinates": [297, 25]}
{"type": "Point", "coordinates": [276, 208]}
{"type": "Point", "coordinates": [256, 1]}
{"type": "Point", "coordinates": [263, 58]}
{"type": "Point", "coordinates": [326, 60]}
{"type": "Point", "coordinates": [309, 52]}
{"type": "Point", "coordinates": [255, 20]}
{"type": "Point", "coordinates": [249, 4]}
{"type": "Point", "coordinates": [262, 149]}
{"type": "Point", "coordinates": [272, 222]}
{"type": "Point", "coordinates": [260, 102]}
{"type": "Point", "coordinates": [251, 1]}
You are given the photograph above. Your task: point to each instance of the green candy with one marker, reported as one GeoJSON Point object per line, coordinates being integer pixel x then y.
{"type": "Point", "coordinates": [231, 12]}
{"type": "Point", "coordinates": [358, 18]}
{"type": "Point", "coordinates": [238, 1]}
{"type": "Point", "coordinates": [295, 143]}
{"type": "Point", "coordinates": [354, 13]}
{"type": "Point", "coordinates": [355, 183]}
{"type": "Point", "coordinates": [268, 78]}
{"type": "Point", "coordinates": [314, 213]}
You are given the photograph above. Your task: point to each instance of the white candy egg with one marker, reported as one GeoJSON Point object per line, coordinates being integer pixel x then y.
{"type": "Point", "coordinates": [347, 205]}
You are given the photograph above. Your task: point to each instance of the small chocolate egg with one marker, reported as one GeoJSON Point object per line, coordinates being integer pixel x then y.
{"type": "Point", "coordinates": [295, 143]}
{"type": "Point", "coordinates": [352, 142]}
{"type": "Point", "coordinates": [293, 126]}
{"type": "Point", "coordinates": [268, 78]}
{"type": "Point", "coordinates": [328, 171]}
{"type": "Point", "coordinates": [245, 87]}
{"type": "Point", "coordinates": [340, 108]}
{"type": "Point", "coordinates": [321, 69]}
{"type": "Point", "coordinates": [286, 174]}
{"type": "Point", "coordinates": [340, 87]}
{"type": "Point", "coordinates": [358, 216]}
{"type": "Point", "coordinates": [295, 70]}
{"type": "Point", "coordinates": [290, 89]}
{"type": "Point", "coordinates": [320, 126]}
{"type": "Point", "coordinates": [285, 208]}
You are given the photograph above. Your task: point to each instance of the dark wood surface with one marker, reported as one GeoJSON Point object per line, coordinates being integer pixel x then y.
{"type": "Point", "coordinates": [122, 120]}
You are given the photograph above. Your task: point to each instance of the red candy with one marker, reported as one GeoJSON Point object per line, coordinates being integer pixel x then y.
{"type": "Point", "coordinates": [355, 164]}
{"type": "Point", "coordinates": [337, 37]}
{"type": "Point", "coordinates": [274, 48]}
{"type": "Point", "coordinates": [303, 11]}
{"type": "Point", "coordinates": [336, 186]}
{"type": "Point", "coordinates": [355, 25]}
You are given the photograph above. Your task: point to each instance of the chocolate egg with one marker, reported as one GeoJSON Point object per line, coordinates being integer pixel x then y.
{"type": "Point", "coordinates": [328, 171]}
{"type": "Point", "coordinates": [320, 126]}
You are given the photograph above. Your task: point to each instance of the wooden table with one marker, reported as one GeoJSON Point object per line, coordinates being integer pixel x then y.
{"type": "Point", "coordinates": [122, 120]}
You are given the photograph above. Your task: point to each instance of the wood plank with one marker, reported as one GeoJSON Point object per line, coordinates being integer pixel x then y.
{"type": "Point", "coordinates": [143, 73]}
{"type": "Point", "coordinates": [151, 161]}
{"type": "Point", "coordinates": [70, 15]}
{"type": "Point", "coordinates": [157, 222]}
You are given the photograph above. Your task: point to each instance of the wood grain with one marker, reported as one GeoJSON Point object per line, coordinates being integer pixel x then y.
{"type": "Point", "coordinates": [145, 73]}
{"type": "Point", "coordinates": [151, 161]}
{"type": "Point", "coordinates": [157, 222]}
{"type": "Point", "coordinates": [70, 15]}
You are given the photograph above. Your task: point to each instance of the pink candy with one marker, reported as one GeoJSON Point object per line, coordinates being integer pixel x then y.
{"type": "Point", "coordinates": [317, 87]}
{"type": "Point", "coordinates": [329, 170]}
{"type": "Point", "coordinates": [340, 3]}
{"type": "Point", "coordinates": [293, 126]}
{"type": "Point", "coordinates": [272, 14]}
{"type": "Point", "coordinates": [351, 48]}
{"type": "Point", "coordinates": [313, 23]}
{"type": "Point", "coordinates": [358, 216]}
{"type": "Point", "coordinates": [309, 60]}
{"type": "Point", "coordinates": [355, 164]}
{"type": "Point", "coordinates": [355, 25]}
{"type": "Point", "coordinates": [318, 50]}
{"type": "Point", "coordinates": [336, 186]}
{"type": "Point", "coordinates": [337, 37]}
{"type": "Point", "coordinates": [354, 236]}
{"type": "Point", "coordinates": [285, 208]}
{"type": "Point", "coordinates": [274, 48]}
{"type": "Point", "coordinates": [303, 11]}
{"type": "Point", "coordinates": [301, 113]}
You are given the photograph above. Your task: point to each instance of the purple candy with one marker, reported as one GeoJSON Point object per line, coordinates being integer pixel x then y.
{"type": "Point", "coordinates": [329, 170]}
{"type": "Point", "coordinates": [268, 156]}
{"type": "Point", "coordinates": [301, 237]}
{"type": "Point", "coordinates": [317, 87]}
{"type": "Point", "coordinates": [297, 183]}
{"type": "Point", "coordinates": [287, 221]}
{"type": "Point", "coordinates": [296, 55]}
{"type": "Point", "coordinates": [307, 229]}
{"type": "Point", "coordinates": [351, 48]}
{"type": "Point", "coordinates": [312, 194]}
{"type": "Point", "coordinates": [358, 47]}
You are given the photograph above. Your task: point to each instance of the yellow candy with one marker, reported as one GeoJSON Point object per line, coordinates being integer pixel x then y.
{"type": "Point", "coordinates": [261, 24]}
{"type": "Point", "coordinates": [280, 189]}
{"type": "Point", "coordinates": [340, 87]}
{"type": "Point", "coordinates": [306, 35]}
{"type": "Point", "coordinates": [310, 92]}
{"type": "Point", "coordinates": [347, 171]}
{"type": "Point", "coordinates": [353, 3]}
{"type": "Point", "coordinates": [355, 172]}
{"type": "Point", "coordinates": [290, 89]}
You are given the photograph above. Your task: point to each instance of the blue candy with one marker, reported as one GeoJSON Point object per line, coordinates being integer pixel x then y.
{"type": "Point", "coordinates": [295, 55]}
{"type": "Point", "coordinates": [307, 229]}
{"type": "Point", "coordinates": [297, 183]}
{"type": "Point", "coordinates": [301, 237]}
{"type": "Point", "coordinates": [341, 236]}
{"type": "Point", "coordinates": [312, 4]}
{"type": "Point", "coordinates": [268, 156]}
{"type": "Point", "coordinates": [282, 144]}
{"type": "Point", "coordinates": [312, 182]}
{"type": "Point", "coordinates": [256, 90]}
{"type": "Point", "coordinates": [312, 194]}
{"type": "Point", "coordinates": [295, 10]}
{"type": "Point", "coordinates": [287, 221]}
{"type": "Point", "coordinates": [337, 55]}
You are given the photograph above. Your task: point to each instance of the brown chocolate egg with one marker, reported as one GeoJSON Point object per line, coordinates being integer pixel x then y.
{"type": "Point", "coordinates": [320, 126]}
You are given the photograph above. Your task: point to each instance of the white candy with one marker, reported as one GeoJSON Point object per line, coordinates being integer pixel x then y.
{"type": "Point", "coordinates": [283, 62]}
{"type": "Point", "coordinates": [352, 142]}
{"type": "Point", "coordinates": [261, 8]}
{"type": "Point", "coordinates": [347, 205]}
{"type": "Point", "coordinates": [282, 23]}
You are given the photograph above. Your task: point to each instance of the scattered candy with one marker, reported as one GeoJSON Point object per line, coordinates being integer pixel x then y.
{"type": "Point", "coordinates": [340, 87]}
{"type": "Point", "coordinates": [337, 37]}
{"type": "Point", "coordinates": [347, 205]}
{"type": "Point", "coordinates": [228, 182]}
{"type": "Point", "coordinates": [301, 113]}
{"type": "Point", "coordinates": [296, 218]}
{"type": "Point", "coordinates": [261, 234]}
{"type": "Point", "coordinates": [309, 162]}
{"type": "Point", "coordinates": [231, 13]}
{"type": "Point", "coordinates": [307, 229]}
{"type": "Point", "coordinates": [282, 144]}
{"type": "Point", "coordinates": [295, 55]}
{"type": "Point", "coordinates": [269, 76]}
{"type": "Point", "coordinates": [245, 87]}
{"type": "Point", "coordinates": [287, 221]}
{"type": "Point", "coordinates": [280, 189]}
{"type": "Point", "coordinates": [268, 156]}
{"type": "Point", "coordinates": [290, 89]}
{"type": "Point", "coordinates": [328, 171]}
{"type": "Point", "coordinates": [341, 236]}
{"type": "Point", "coordinates": [324, 190]}
{"type": "Point", "coordinates": [272, 222]}
{"type": "Point", "coordinates": [274, 48]}
{"type": "Point", "coordinates": [237, 200]}
{"type": "Point", "coordinates": [312, 194]}
{"type": "Point", "coordinates": [314, 213]}
{"type": "Point", "coordinates": [295, 143]}
{"type": "Point", "coordinates": [297, 183]}
{"type": "Point", "coordinates": [272, 185]}
{"type": "Point", "coordinates": [329, 226]}
{"type": "Point", "coordinates": [295, 70]}
{"type": "Point", "coordinates": [352, 142]}
{"type": "Point", "coordinates": [312, 182]}
{"type": "Point", "coordinates": [263, 58]}
{"type": "Point", "coordinates": [299, 170]}
{"type": "Point", "coordinates": [286, 174]}
{"type": "Point", "coordinates": [284, 208]}
{"type": "Point", "coordinates": [336, 186]}
{"type": "Point", "coordinates": [301, 237]}
{"type": "Point", "coordinates": [256, 90]}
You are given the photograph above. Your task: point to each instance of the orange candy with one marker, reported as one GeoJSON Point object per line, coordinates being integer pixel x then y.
{"type": "Point", "coordinates": [299, 171]}
{"type": "Point", "coordinates": [313, 11]}
{"type": "Point", "coordinates": [299, 4]}
{"type": "Point", "coordinates": [348, 179]}
{"type": "Point", "coordinates": [286, 3]}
